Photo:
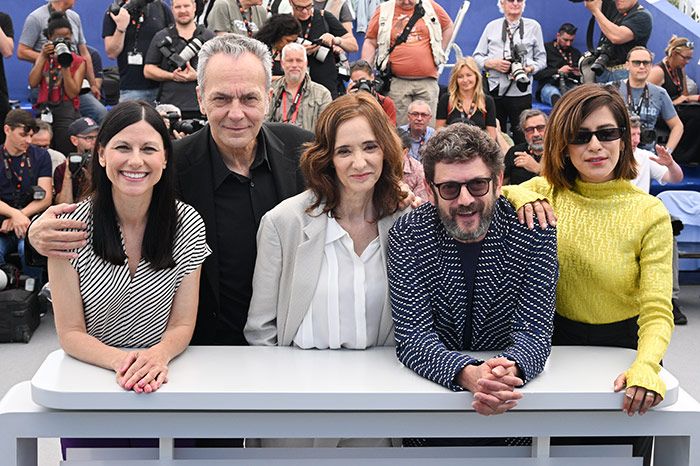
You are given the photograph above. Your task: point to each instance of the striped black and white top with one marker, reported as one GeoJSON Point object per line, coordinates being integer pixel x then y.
{"type": "Point", "coordinates": [128, 312]}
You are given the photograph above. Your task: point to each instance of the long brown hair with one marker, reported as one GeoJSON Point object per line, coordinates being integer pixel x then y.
{"type": "Point", "coordinates": [478, 99]}
{"type": "Point", "coordinates": [317, 160]}
{"type": "Point", "coordinates": [564, 123]}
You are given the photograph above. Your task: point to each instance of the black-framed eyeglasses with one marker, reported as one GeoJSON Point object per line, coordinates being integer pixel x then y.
{"type": "Point", "coordinates": [450, 190]}
{"type": "Point", "coordinates": [603, 135]}
{"type": "Point", "coordinates": [419, 114]}
{"type": "Point", "coordinates": [302, 8]}
{"type": "Point", "coordinates": [531, 129]}
{"type": "Point", "coordinates": [685, 57]}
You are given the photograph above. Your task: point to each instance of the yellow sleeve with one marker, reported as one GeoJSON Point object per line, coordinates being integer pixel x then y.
{"type": "Point", "coordinates": [655, 316]}
{"type": "Point", "coordinates": [535, 189]}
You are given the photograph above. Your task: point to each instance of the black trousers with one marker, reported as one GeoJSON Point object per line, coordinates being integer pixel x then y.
{"type": "Point", "coordinates": [618, 334]}
{"type": "Point", "coordinates": [508, 109]}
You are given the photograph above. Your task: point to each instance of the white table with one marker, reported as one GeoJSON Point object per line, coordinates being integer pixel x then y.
{"type": "Point", "coordinates": [235, 392]}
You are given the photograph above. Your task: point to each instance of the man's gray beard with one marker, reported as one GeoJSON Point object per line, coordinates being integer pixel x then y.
{"type": "Point", "coordinates": [456, 232]}
{"type": "Point", "coordinates": [537, 147]}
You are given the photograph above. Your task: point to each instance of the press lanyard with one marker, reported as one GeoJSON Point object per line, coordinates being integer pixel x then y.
{"type": "Point", "coordinates": [568, 57]}
{"type": "Point", "coordinates": [636, 108]}
{"type": "Point", "coordinates": [10, 173]}
{"type": "Point", "coordinates": [507, 33]}
{"type": "Point", "coordinates": [246, 20]}
{"type": "Point", "coordinates": [54, 78]}
{"type": "Point", "coordinates": [675, 78]}
{"type": "Point", "coordinates": [137, 23]}
{"type": "Point", "coordinates": [293, 112]}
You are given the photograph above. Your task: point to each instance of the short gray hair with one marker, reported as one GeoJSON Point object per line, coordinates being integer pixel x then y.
{"type": "Point", "coordinates": [294, 46]}
{"type": "Point", "coordinates": [500, 8]}
{"type": "Point", "coordinates": [635, 121]}
{"type": "Point", "coordinates": [234, 45]}
{"type": "Point", "coordinates": [419, 102]}
{"type": "Point", "coordinates": [531, 113]}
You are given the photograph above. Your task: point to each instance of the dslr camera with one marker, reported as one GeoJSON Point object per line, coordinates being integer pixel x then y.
{"type": "Point", "coordinates": [77, 161]}
{"type": "Point", "coordinates": [598, 59]}
{"type": "Point", "coordinates": [134, 7]}
{"type": "Point", "coordinates": [180, 59]}
{"type": "Point", "coordinates": [322, 52]}
{"type": "Point", "coordinates": [517, 67]}
{"type": "Point", "coordinates": [647, 136]}
{"type": "Point", "coordinates": [365, 85]}
{"type": "Point", "coordinates": [186, 127]}
{"type": "Point", "coordinates": [62, 50]}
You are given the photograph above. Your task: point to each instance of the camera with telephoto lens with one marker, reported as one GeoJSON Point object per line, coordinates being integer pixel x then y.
{"type": "Point", "coordinates": [365, 85]}
{"type": "Point", "coordinates": [134, 7]}
{"type": "Point", "coordinates": [322, 51]}
{"type": "Point", "coordinates": [565, 81]}
{"type": "Point", "coordinates": [62, 50]}
{"type": "Point", "coordinates": [76, 161]}
{"type": "Point", "coordinates": [180, 59]}
{"type": "Point", "coordinates": [11, 277]}
{"type": "Point", "coordinates": [188, 126]}
{"type": "Point", "coordinates": [597, 60]}
{"type": "Point", "coordinates": [517, 68]}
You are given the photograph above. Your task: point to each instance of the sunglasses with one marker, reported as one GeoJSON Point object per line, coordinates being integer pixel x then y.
{"type": "Point", "coordinates": [639, 63]}
{"type": "Point", "coordinates": [603, 135]}
{"type": "Point", "coordinates": [515, 1]}
{"type": "Point", "coordinates": [450, 190]}
{"type": "Point", "coordinates": [531, 129]}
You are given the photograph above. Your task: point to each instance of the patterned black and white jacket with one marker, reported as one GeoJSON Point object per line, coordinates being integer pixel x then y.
{"type": "Point", "coordinates": [513, 294]}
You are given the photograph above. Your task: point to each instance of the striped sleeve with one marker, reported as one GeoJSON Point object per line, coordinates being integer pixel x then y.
{"type": "Point", "coordinates": [191, 242]}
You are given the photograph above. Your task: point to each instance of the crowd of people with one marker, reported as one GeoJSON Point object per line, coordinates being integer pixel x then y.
{"type": "Point", "coordinates": [279, 195]}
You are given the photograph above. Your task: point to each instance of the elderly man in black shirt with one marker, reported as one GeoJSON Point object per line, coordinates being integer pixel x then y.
{"type": "Point", "coordinates": [232, 171]}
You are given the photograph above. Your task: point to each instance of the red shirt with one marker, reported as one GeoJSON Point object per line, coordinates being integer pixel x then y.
{"type": "Point", "coordinates": [57, 93]}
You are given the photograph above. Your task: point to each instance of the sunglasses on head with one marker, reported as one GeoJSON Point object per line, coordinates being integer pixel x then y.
{"type": "Point", "coordinates": [602, 135]}
{"type": "Point", "coordinates": [450, 190]}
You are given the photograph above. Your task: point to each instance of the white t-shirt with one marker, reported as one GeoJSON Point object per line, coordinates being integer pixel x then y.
{"type": "Point", "coordinates": [647, 169]}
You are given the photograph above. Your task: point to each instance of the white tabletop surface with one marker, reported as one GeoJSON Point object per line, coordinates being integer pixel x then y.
{"type": "Point", "coordinates": [285, 378]}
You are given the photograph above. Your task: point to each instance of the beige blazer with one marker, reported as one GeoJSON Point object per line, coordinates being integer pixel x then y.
{"type": "Point", "coordinates": [290, 252]}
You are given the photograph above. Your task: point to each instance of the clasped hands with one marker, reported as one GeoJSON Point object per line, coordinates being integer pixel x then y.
{"type": "Point", "coordinates": [142, 371]}
{"type": "Point", "coordinates": [493, 384]}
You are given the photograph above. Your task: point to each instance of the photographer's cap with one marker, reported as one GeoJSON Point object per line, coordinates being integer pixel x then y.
{"type": "Point", "coordinates": [82, 126]}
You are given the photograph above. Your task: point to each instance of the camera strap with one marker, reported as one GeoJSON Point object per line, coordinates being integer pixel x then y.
{"type": "Point", "coordinates": [290, 115]}
{"type": "Point", "coordinates": [54, 79]}
{"type": "Point", "coordinates": [418, 12]}
{"type": "Point", "coordinates": [10, 173]}
{"type": "Point", "coordinates": [643, 100]}
{"type": "Point", "coordinates": [506, 33]}
{"type": "Point", "coordinates": [568, 57]}
{"type": "Point", "coordinates": [246, 18]}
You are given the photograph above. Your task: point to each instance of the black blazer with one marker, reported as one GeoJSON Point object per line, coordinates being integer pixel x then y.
{"type": "Point", "coordinates": [195, 187]}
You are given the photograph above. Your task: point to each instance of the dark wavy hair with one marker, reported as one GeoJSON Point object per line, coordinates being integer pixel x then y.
{"type": "Point", "coordinates": [161, 224]}
{"type": "Point", "coordinates": [567, 116]}
{"type": "Point", "coordinates": [317, 160]}
{"type": "Point", "coordinates": [276, 27]}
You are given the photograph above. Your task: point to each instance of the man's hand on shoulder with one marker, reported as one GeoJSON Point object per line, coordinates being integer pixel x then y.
{"type": "Point", "coordinates": [54, 237]}
{"type": "Point", "coordinates": [493, 384]}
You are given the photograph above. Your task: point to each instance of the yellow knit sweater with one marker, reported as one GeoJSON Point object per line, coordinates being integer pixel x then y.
{"type": "Point", "coordinates": [615, 247]}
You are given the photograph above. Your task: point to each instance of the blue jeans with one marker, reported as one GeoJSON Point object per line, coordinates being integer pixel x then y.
{"type": "Point", "coordinates": [149, 95]}
{"type": "Point", "coordinates": [10, 243]}
{"type": "Point", "coordinates": [93, 108]}
{"type": "Point", "coordinates": [550, 90]}
{"type": "Point", "coordinates": [610, 76]}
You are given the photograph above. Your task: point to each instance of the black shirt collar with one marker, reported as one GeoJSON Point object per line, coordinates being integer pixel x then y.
{"type": "Point", "coordinates": [219, 169]}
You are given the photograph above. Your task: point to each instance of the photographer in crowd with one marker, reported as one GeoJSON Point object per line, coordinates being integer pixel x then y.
{"type": "Point", "coordinates": [362, 79]}
{"type": "Point", "coordinates": [25, 185]}
{"type": "Point", "coordinates": [418, 126]}
{"type": "Point", "coordinates": [7, 45]}
{"type": "Point", "coordinates": [128, 33]}
{"type": "Point", "coordinates": [561, 73]}
{"type": "Point", "coordinates": [74, 173]}
{"type": "Point", "coordinates": [649, 101]}
{"type": "Point", "coordinates": [406, 40]}
{"type": "Point", "coordinates": [296, 99]}
{"type": "Point", "coordinates": [172, 59]}
{"type": "Point", "coordinates": [624, 24]}
{"type": "Point", "coordinates": [32, 41]}
{"type": "Point", "coordinates": [322, 36]}
{"type": "Point", "coordinates": [244, 17]}
{"type": "Point", "coordinates": [58, 73]}
{"type": "Point", "coordinates": [278, 31]}
{"type": "Point", "coordinates": [511, 50]}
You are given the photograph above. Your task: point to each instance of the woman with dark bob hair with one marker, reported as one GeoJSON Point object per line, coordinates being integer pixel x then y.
{"type": "Point", "coordinates": [135, 282]}
{"type": "Point", "coordinates": [614, 240]}
{"type": "Point", "coordinates": [278, 31]}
